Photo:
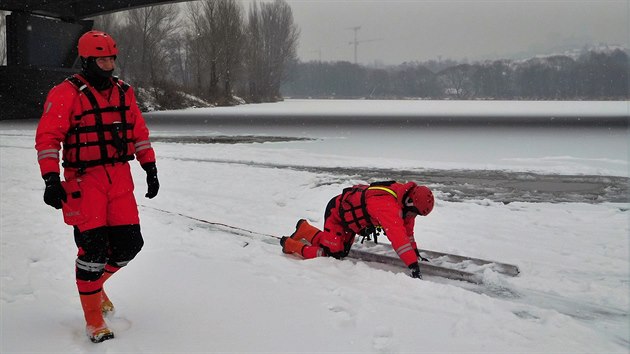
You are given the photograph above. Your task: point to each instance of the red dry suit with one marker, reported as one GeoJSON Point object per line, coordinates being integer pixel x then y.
{"type": "Point", "coordinates": [100, 132]}
{"type": "Point", "coordinates": [362, 206]}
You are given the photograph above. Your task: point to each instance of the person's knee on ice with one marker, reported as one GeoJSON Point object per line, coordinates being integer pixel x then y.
{"type": "Point", "coordinates": [292, 246]}
{"type": "Point", "coordinates": [332, 244]}
{"type": "Point", "coordinates": [318, 243]}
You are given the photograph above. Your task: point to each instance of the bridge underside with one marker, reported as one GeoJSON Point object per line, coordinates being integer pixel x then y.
{"type": "Point", "coordinates": [41, 47]}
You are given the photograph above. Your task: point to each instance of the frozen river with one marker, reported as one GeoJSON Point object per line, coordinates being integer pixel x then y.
{"type": "Point", "coordinates": [506, 151]}
{"type": "Point", "coordinates": [503, 151]}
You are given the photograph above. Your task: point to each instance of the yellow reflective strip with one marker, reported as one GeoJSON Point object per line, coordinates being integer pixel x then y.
{"type": "Point", "coordinates": [386, 190]}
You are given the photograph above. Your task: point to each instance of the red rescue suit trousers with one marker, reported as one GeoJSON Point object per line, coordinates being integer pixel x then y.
{"type": "Point", "coordinates": [335, 240]}
{"type": "Point", "coordinates": [102, 208]}
{"type": "Point", "coordinates": [102, 196]}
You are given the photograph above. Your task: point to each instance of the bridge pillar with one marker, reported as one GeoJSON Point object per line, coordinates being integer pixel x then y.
{"type": "Point", "coordinates": [41, 52]}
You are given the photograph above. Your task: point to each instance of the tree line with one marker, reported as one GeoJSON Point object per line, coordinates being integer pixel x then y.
{"type": "Point", "coordinates": [218, 51]}
{"type": "Point", "coordinates": [593, 75]}
{"type": "Point", "coordinates": [212, 49]}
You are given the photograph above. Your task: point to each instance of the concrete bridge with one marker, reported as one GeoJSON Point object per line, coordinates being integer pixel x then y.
{"type": "Point", "coordinates": [41, 47]}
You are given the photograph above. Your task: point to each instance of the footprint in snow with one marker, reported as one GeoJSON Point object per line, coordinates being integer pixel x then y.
{"type": "Point", "coordinates": [383, 341]}
{"type": "Point", "coordinates": [118, 324]}
{"type": "Point", "coordinates": [344, 316]}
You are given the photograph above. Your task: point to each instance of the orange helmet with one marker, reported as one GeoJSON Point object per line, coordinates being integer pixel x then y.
{"type": "Point", "coordinates": [420, 200]}
{"type": "Point", "coordinates": [97, 44]}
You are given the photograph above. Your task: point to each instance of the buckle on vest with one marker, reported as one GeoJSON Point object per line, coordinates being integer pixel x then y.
{"type": "Point", "coordinates": [119, 144]}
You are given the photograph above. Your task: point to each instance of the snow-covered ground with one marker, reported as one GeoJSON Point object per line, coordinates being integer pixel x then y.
{"type": "Point", "coordinates": [202, 288]}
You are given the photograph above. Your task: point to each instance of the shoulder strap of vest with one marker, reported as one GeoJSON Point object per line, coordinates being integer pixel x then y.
{"type": "Point", "coordinates": [121, 142]}
{"type": "Point", "coordinates": [77, 83]}
{"type": "Point", "coordinates": [125, 86]}
{"type": "Point", "coordinates": [81, 87]}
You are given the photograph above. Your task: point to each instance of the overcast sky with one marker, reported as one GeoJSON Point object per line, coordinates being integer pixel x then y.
{"type": "Point", "coordinates": [396, 31]}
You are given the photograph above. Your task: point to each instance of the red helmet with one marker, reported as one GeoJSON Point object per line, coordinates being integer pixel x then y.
{"type": "Point", "coordinates": [97, 44]}
{"type": "Point", "coordinates": [421, 199]}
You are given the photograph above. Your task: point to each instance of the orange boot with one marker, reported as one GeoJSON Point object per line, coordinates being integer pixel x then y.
{"type": "Point", "coordinates": [107, 308]}
{"type": "Point", "coordinates": [290, 245]}
{"type": "Point", "coordinates": [96, 328]}
{"type": "Point", "coordinates": [305, 231]}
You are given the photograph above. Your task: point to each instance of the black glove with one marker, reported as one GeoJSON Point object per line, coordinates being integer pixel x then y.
{"type": "Point", "coordinates": [54, 192]}
{"type": "Point", "coordinates": [152, 180]}
{"type": "Point", "coordinates": [420, 257]}
{"type": "Point", "coordinates": [415, 271]}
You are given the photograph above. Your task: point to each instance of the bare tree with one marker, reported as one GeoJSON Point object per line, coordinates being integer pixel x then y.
{"type": "Point", "coordinates": [215, 42]}
{"type": "Point", "coordinates": [229, 32]}
{"type": "Point", "coordinates": [176, 49]}
{"type": "Point", "coordinates": [195, 48]}
{"type": "Point", "coordinates": [211, 45]}
{"type": "Point", "coordinates": [204, 47]}
{"type": "Point", "coordinates": [457, 81]}
{"type": "Point", "coordinates": [107, 23]}
{"type": "Point", "coordinates": [254, 60]}
{"type": "Point", "coordinates": [143, 42]}
{"type": "Point", "coordinates": [272, 44]}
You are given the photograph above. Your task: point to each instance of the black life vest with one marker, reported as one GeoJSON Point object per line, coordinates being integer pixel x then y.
{"type": "Point", "coordinates": [353, 207]}
{"type": "Point", "coordinates": [100, 135]}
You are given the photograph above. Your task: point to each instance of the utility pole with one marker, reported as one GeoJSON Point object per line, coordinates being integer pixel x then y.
{"type": "Point", "coordinates": [356, 42]}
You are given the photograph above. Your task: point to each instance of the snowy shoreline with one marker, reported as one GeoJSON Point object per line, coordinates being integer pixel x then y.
{"type": "Point", "coordinates": [379, 113]}
{"type": "Point", "coordinates": [434, 108]}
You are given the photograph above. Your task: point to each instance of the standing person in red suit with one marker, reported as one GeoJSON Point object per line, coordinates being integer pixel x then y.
{"type": "Point", "coordinates": [96, 119]}
{"type": "Point", "coordinates": [390, 205]}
